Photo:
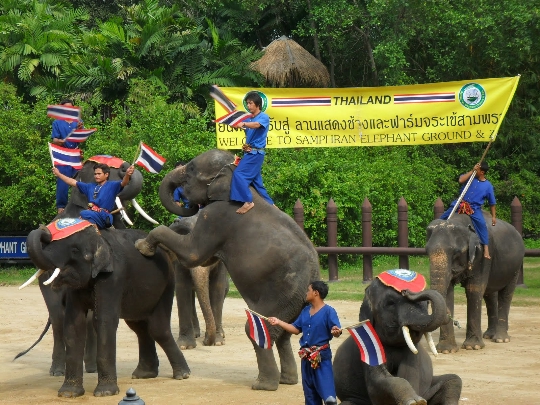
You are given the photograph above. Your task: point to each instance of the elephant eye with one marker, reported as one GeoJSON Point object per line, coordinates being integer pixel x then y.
{"type": "Point", "coordinates": [390, 303]}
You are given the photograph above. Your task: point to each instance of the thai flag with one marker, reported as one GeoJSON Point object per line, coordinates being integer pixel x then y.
{"type": "Point", "coordinates": [258, 331]}
{"type": "Point", "coordinates": [302, 102]}
{"type": "Point", "coordinates": [65, 157]}
{"type": "Point", "coordinates": [221, 98]}
{"type": "Point", "coordinates": [63, 112]}
{"type": "Point", "coordinates": [150, 160]}
{"type": "Point", "coordinates": [424, 98]}
{"type": "Point", "coordinates": [81, 135]}
{"type": "Point", "coordinates": [367, 340]}
{"type": "Point", "coordinates": [233, 118]}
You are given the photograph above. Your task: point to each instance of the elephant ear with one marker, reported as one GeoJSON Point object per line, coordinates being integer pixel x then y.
{"type": "Point", "coordinates": [474, 245]}
{"type": "Point", "coordinates": [102, 261]}
{"type": "Point", "coordinates": [366, 311]}
{"type": "Point", "coordinates": [219, 189]}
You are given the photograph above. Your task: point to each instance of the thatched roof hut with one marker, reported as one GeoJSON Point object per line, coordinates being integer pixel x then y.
{"type": "Point", "coordinates": [287, 64]}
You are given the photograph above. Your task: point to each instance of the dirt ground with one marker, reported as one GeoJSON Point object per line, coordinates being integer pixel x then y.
{"type": "Point", "coordinates": [498, 374]}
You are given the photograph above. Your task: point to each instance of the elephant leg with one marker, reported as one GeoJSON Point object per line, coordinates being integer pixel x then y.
{"type": "Point", "coordinates": [289, 372]}
{"type": "Point", "coordinates": [474, 292]}
{"type": "Point", "coordinates": [504, 300]}
{"type": "Point", "coordinates": [492, 314]}
{"type": "Point", "coordinates": [148, 366]}
{"type": "Point", "coordinates": [106, 324]}
{"type": "Point", "coordinates": [269, 376]}
{"type": "Point", "coordinates": [194, 318]}
{"type": "Point", "coordinates": [445, 390]}
{"type": "Point", "coordinates": [447, 339]}
{"type": "Point", "coordinates": [185, 301]}
{"type": "Point", "coordinates": [160, 331]}
{"type": "Point", "coordinates": [200, 276]}
{"type": "Point", "coordinates": [75, 321]}
{"type": "Point", "coordinates": [90, 348]}
{"type": "Point", "coordinates": [56, 308]}
{"type": "Point", "coordinates": [219, 287]}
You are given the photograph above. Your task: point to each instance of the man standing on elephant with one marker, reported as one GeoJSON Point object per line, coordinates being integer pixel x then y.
{"type": "Point", "coordinates": [318, 323]}
{"type": "Point", "coordinates": [61, 129]}
{"type": "Point", "coordinates": [248, 172]}
{"type": "Point", "coordinates": [473, 200]}
{"type": "Point", "coordinates": [101, 194]}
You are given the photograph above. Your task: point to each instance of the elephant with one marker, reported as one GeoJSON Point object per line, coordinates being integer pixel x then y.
{"type": "Point", "coordinates": [268, 256]}
{"type": "Point", "coordinates": [396, 305]}
{"type": "Point", "coordinates": [102, 271]}
{"type": "Point", "coordinates": [55, 299]}
{"type": "Point", "coordinates": [455, 257]}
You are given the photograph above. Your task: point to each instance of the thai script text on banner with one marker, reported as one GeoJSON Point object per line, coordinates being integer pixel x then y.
{"type": "Point", "coordinates": [436, 113]}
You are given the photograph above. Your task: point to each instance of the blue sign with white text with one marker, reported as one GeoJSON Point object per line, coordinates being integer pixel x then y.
{"type": "Point", "coordinates": [13, 247]}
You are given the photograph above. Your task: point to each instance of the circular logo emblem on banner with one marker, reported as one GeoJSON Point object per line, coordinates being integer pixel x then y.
{"type": "Point", "coordinates": [264, 105]}
{"type": "Point", "coordinates": [472, 96]}
{"type": "Point", "coordinates": [65, 222]}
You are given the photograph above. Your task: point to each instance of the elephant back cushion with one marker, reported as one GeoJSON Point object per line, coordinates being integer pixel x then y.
{"type": "Point", "coordinates": [402, 279]}
{"type": "Point", "coordinates": [64, 227]}
{"type": "Point", "coordinates": [111, 161]}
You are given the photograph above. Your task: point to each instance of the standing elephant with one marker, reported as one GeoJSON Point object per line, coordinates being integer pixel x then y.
{"type": "Point", "coordinates": [455, 257]}
{"type": "Point", "coordinates": [269, 258]}
{"type": "Point", "coordinates": [397, 307]}
{"type": "Point", "coordinates": [104, 272]}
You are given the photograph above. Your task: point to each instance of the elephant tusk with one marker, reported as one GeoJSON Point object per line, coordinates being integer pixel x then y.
{"type": "Point", "coordinates": [431, 344]}
{"type": "Point", "coordinates": [122, 211]}
{"type": "Point", "coordinates": [31, 279]}
{"type": "Point", "coordinates": [54, 275]}
{"type": "Point", "coordinates": [144, 214]}
{"type": "Point", "coordinates": [408, 339]}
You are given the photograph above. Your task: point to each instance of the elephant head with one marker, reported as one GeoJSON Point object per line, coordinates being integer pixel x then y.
{"type": "Point", "coordinates": [206, 178]}
{"type": "Point", "coordinates": [453, 249]}
{"type": "Point", "coordinates": [75, 259]}
{"type": "Point", "coordinates": [397, 306]}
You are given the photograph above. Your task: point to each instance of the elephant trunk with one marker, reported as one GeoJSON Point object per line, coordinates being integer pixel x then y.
{"type": "Point", "coordinates": [426, 322]}
{"type": "Point", "coordinates": [170, 182]}
{"type": "Point", "coordinates": [134, 187]}
{"type": "Point", "coordinates": [200, 276]}
{"type": "Point", "coordinates": [35, 249]}
{"type": "Point", "coordinates": [440, 271]}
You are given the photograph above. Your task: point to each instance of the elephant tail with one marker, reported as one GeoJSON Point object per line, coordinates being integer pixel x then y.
{"type": "Point", "coordinates": [37, 341]}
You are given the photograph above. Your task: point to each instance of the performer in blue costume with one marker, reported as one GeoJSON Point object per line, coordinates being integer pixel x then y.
{"type": "Point", "coordinates": [248, 172]}
{"type": "Point", "coordinates": [61, 129]}
{"type": "Point", "coordinates": [318, 323]}
{"type": "Point", "coordinates": [479, 191]}
{"type": "Point", "coordinates": [101, 194]}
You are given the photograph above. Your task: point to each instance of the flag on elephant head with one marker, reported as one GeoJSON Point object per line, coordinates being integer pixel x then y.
{"type": "Point", "coordinates": [367, 340]}
{"type": "Point", "coordinates": [150, 160]}
{"type": "Point", "coordinates": [65, 157]}
{"type": "Point", "coordinates": [258, 331]}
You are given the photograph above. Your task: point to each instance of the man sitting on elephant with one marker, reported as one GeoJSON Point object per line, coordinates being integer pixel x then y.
{"type": "Point", "coordinates": [101, 194]}
{"type": "Point", "coordinates": [473, 200]}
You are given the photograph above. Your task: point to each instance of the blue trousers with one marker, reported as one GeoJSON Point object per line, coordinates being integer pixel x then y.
{"type": "Point", "coordinates": [248, 173]}
{"type": "Point", "coordinates": [318, 384]}
{"type": "Point", "coordinates": [62, 189]}
{"type": "Point", "coordinates": [478, 221]}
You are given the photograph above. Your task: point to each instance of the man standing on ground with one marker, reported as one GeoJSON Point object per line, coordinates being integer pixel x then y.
{"type": "Point", "coordinates": [248, 172]}
{"type": "Point", "coordinates": [61, 129]}
{"type": "Point", "coordinates": [101, 194]}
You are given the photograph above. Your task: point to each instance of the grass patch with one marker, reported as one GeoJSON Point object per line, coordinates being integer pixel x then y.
{"type": "Point", "coordinates": [350, 286]}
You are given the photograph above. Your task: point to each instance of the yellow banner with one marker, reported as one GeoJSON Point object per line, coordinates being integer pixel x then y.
{"type": "Point", "coordinates": [462, 111]}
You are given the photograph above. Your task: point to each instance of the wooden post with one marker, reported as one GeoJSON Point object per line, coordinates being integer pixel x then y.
{"type": "Point", "coordinates": [516, 217]}
{"type": "Point", "coordinates": [331, 222]}
{"type": "Point", "coordinates": [367, 240]}
{"type": "Point", "coordinates": [438, 208]}
{"type": "Point", "coordinates": [403, 232]}
{"type": "Point", "coordinates": [298, 212]}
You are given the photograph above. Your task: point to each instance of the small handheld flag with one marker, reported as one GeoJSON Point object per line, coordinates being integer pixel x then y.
{"type": "Point", "coordinates": [65, 157]}
{"type": "Point", "coordinates": [367, 340]}
{"type": "Point", "coordinates": [150, 160]}
{"type": "Point", "coordinates": [64, 112]}
{"type": "Point", "coordinates": [221, 98]}
{"type": "Point", "coordinates": [233, 118]}
{"type": "Point", "coordinates": [258, 331]}
{"type": "Point", "coordinates": [81, 135]}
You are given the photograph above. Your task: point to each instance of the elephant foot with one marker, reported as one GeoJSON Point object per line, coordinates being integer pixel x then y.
{"type": "Point", "coordinates": [71, 391]}
{"type": "Point", "coordinates": [142, 373]}
{"type": "Point", "coordinates": [265, 385]}
{"type": "Point", "coordinates": [220, 340]}
{"type": "Point", "coordinates": [145, 248]}
{"type": "Point", "coordinates": [447, 348]}
{"type": "Point", "coordinates": [90, 367]}
{"type": "Point", "coordinates": [473, 345]}
{"type": "Point", "coordinates": [209, 341]}
{"type": "Point", "coordinates": [288, 379]}
{"type": "Point", "coordinates": [185, 343]}
{"type": "Point", "coordinates": [56, 371]}
{"type": "Point", "coordinates": [489, 334]}
{"type": "Point", "coordinates": [501, 338]}
{"type": "Point", "coordinates": [106, 389]}
{"type": "Point", "coordinates": [182, 374]}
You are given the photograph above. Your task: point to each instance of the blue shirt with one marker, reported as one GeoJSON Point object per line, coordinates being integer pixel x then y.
{"type": "Point", "coordinates": [62, 129]}
{"type": "Point", "coordinates": [102, 196]}
{"type": "Point", "coordinates": [256, 137]}
{"type": "Point", "coordinates": [478, 193]}
{"type": "Point", "coordinates": [178, 195]}
{"type": "Point", "coordinates": [316, 329]}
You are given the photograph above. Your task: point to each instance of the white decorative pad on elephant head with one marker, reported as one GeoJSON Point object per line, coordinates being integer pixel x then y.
{"type": "Point", "coordinates": [111, 161]}
{"type": "Point", "coordinates": [401, 279]}
{"type": "Point", "coordinates": [62, 228]}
